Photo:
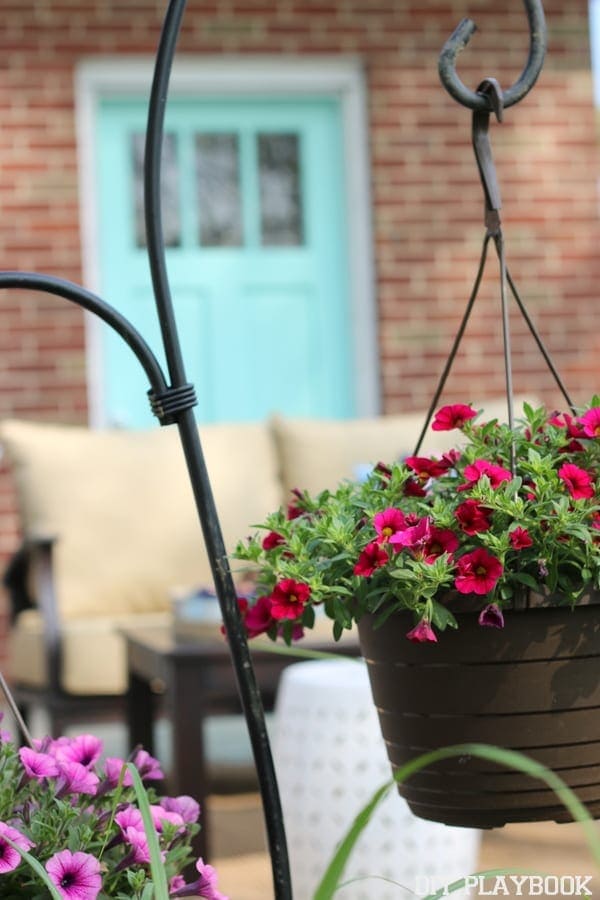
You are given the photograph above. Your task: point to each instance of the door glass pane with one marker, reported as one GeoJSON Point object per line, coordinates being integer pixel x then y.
{"type": "Point", "coordinates": [281, 220]}
{"type": "Point", "coordinates": [218, 185]}
{"type": "Point", "coordinates": [169, 190]}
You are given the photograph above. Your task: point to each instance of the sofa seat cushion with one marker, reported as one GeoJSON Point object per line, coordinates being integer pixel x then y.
{"type": "Point", "coordinates": [121, 507]}
{"type": "Point", "coordinates": [94, 658]}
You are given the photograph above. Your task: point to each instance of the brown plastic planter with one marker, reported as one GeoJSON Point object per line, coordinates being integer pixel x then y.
{"type": "Point", "coordinates": [533, 686]}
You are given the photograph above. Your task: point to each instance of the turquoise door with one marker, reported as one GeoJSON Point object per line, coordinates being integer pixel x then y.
{"type": "Point", "coordinates": [254, 220]}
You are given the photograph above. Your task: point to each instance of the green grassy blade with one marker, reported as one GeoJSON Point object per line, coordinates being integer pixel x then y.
{"type": "Point", "coordinates": [512, 759]}
{"type": "Point", "coordinates": [159, 876]}
{"type": "Point", "coordinates": [37, 867]}
{"type": "Point", "coordinates": [301, 652]}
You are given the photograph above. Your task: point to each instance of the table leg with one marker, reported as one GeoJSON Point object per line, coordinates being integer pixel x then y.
{"type": "Point", "coordinates": [140, 713]}
{"type": "Point", "coordinates": [189, 774]}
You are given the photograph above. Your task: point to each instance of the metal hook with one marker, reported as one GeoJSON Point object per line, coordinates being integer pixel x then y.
{"type": "Point", "coordinates": [459, 40]}
{"type": "Point", "coordinates": [490, 90]}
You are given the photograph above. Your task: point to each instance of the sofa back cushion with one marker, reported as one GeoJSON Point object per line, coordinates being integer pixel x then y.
{"type": "Point", "coordinates": [121, 506]}
{"type": "Point", "coordinates": [319, 453]}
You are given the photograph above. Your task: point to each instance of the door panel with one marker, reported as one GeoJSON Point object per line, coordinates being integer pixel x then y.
{"type": "Point", "coordinates": [254, 222]}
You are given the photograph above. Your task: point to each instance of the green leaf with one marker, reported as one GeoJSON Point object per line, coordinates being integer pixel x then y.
{"type": "Point", "coordinates": [524, 578]}
{"type": "Point", "coordinates": [442, 617]}
{"type": "Point", "coordinates": [159, 876]}
{"type": "Point", "coordinates": [38, 868]}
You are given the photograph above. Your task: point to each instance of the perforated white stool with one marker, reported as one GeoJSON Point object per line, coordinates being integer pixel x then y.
{"type": "Point", "coordinates": [330, 759]}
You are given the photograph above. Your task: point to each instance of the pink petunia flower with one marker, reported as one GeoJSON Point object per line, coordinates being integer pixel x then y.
{"type": "Point", "coordinates": [140, 852]}
{"type": "Point", "coordinates": [495, 474]}
{"type": "Point", "coordinates": [387, 523]}
{"type": "Point", "coordinates": [491, 616]}
{"type": "Point", "coordinates": [422, 633]}
{"type": "Point", "coordinates": [85, 749]}
{"type": "Point", "coordinates": [161, 815]}
{"type": "Point", "coordinates": [130, 817]}
{"type": "Point", "coordinates": [478, 572]}
{"type": "Point", "coordinates": [372, 557]}
{"type": "Point", "coordinates": [148, 767]}
{"type": "Point", "coordinates": [578, 482]}
{"type": "Point", "coordinates": [564, 420]}
{"type": "Point", "coordinates": [9, 857]}
{"type": "Point", "coordinates": [473, 517]}
{"type": "Point", "coordinates": [76, 876]}
{"type": "Point", "coordinates": [186, 807]}
{"type": "Point", "coordinates": [289, 598]}
{"type": "Point", "coordinates": [449, 417]}
{"type": "Point", "coordinates": [37, 765]}
{"type": "Point", "coordinates": [590, 422]}
{"type": "Point", "coordinates": [112, 770]}
{"type": "Point", "coordinates": [205, 885]}
{"type": "Point", "coordinates": [73, 778]}
{"type": "Point", "coordinates": [520, 538]}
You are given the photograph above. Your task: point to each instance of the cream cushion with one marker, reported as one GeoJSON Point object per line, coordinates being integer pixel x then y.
{"type": "Point", "coordinates": [122, 510]}
{"type": "Point", "coordinates": [93, 651]}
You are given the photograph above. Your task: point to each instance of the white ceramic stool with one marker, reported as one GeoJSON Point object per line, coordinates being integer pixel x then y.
{"type": "Point", "coordinates": [330, 759]}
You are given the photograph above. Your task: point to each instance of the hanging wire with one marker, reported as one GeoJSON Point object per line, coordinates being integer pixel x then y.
{"type": "Point", "coordinates": [488, 99]}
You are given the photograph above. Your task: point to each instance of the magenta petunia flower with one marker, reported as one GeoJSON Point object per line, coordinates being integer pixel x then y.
{"type": "Point", "coordinates": [478, 572]}
{"type": "Point", "coordinates": [84, 749]}
{"type": "Point", "coordinates": [372, 557]}
{"type": "Point", "coordinates": [73, 778]}
{"type": "Point", "coordinates": [578, 482]}
{"type": "Point", "coordinates": [449, 417]}
{"type": "Point", "coordinates": [272, 539]}
{"type": "Point", "coordinates": [187, 807]}
{"type": "Point", "coordinates": [495, 474]}
{"type": "Point", "coordinates": [37, 765]}
{"type": "Point", "coordinates": [520, 538]}
{"type": "Point", "coordinates": [491, 616]}
{"type": "Point", "coordinates": [590, 422]}
{"type": "Point", "coordinates": [258, 618]}
{"type": "Point", "coordinates": [9, 857]}
{"type": "Point", "coordinates": [289, 598]}
{"type": "Point", "coordinates": [426, 467]}
{"type": "Point", "coordinates": [387, 523]}
{"type": "Point", "coordinates": [75, 875]}
{"type": "Point", "coordinates": [422, 633]}
{"type": "Point", "coordinates": [414, 538]}
{"type": "Point", "coordinates": [441, 540]}
{"type": "Point", "coordinates": [472, 517]}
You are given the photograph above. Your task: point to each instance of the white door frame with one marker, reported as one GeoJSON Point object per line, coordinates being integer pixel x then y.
{"type": "Point", "coordinates": [338, 76]}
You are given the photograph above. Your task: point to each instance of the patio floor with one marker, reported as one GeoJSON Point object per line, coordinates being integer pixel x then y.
{"type": "Point", "coordinates": [244, 873]}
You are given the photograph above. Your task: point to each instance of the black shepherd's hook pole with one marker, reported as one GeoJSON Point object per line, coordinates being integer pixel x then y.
{"type": "Point", "coordinates": [188, 430]}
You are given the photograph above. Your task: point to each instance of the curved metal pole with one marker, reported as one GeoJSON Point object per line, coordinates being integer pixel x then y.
{"type": "Point", "coordinates": [49, 284]}
{"type": "Point", "coordinates": [528, 77]}
{"type": "Point", "coordinates": [215, 546]}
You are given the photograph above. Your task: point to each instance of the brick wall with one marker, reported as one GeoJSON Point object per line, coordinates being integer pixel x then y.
{"type": "Point", "coordinates": [427, 202]}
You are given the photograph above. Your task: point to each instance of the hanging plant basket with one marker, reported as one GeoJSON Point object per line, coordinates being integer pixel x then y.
{"type": "Point", "coordinates": [532, 686]}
